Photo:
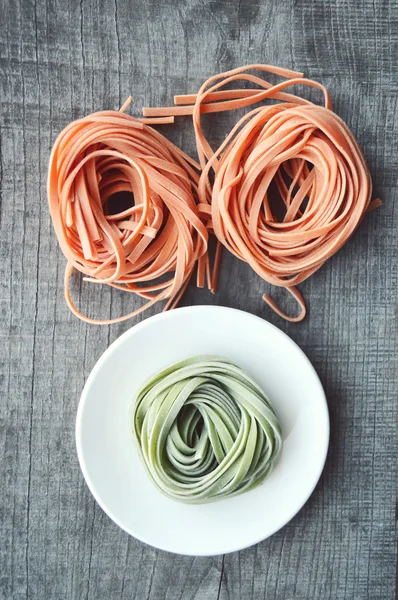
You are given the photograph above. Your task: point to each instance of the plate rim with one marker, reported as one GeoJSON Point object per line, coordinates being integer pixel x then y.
{"type": "Point", "coordinates": [164, 316]}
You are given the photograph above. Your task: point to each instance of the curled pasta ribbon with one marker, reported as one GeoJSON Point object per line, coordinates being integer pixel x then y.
{"type": "Point", "coordinates": [205, 430]}
{"type": "Point", "coordinates": [303, 150]}
{"type": "Point", "coordinates": [152, 247]}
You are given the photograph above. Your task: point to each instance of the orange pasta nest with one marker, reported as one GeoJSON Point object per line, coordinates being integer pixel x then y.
{"type": "Point", "coordinates": [151, 248]}
{"type": "Point", "coordinates": [293, 149]}
{"type": "Point", "coordinates": [304, 150]}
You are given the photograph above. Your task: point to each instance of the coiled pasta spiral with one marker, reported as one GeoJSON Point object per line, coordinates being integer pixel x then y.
{"type": "Point", "coordinates": [205, 430]}
{"type": "Point", "coordinates": [152, 247]}
{"type": "Point", "coordinates": [303, 150]}
{"type": "Point", "coordinates": [317, 166]}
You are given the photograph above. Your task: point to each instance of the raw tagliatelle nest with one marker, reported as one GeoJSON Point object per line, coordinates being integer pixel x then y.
{"type": "Point", "coordinates": [150, 248]}
{"type": "Point", "coordinates": [292, 148]}
{"type": "Point", "coordinates": [205, 430]}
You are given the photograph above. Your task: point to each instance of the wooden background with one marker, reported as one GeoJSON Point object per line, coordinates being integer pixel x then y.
{"type": "Point", "coordinates": [61, 59]}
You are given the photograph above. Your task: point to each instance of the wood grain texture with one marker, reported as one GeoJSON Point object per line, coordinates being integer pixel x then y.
{"type": "Point", "coordinates": [60, 59]}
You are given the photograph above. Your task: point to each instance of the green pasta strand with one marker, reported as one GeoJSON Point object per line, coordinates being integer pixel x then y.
{"type": "Point", "coordinates": [205, 430]}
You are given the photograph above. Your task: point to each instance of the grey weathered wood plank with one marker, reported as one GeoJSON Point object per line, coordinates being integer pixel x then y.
{"type": "Point", "coordinates": [62, 59]}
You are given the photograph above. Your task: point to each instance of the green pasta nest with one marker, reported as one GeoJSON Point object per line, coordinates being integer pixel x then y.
{"type": "Point", "coordinates": [205, 430]}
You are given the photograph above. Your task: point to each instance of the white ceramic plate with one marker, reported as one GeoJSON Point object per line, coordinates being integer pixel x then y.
{"type": "Point", "coordinates": [110, 461]}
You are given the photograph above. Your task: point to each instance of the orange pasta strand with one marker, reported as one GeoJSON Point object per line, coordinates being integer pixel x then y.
{"type": "Point", "coordinates": [303, 149]}
{"type": "Point", "coordinates": [151, 248]}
